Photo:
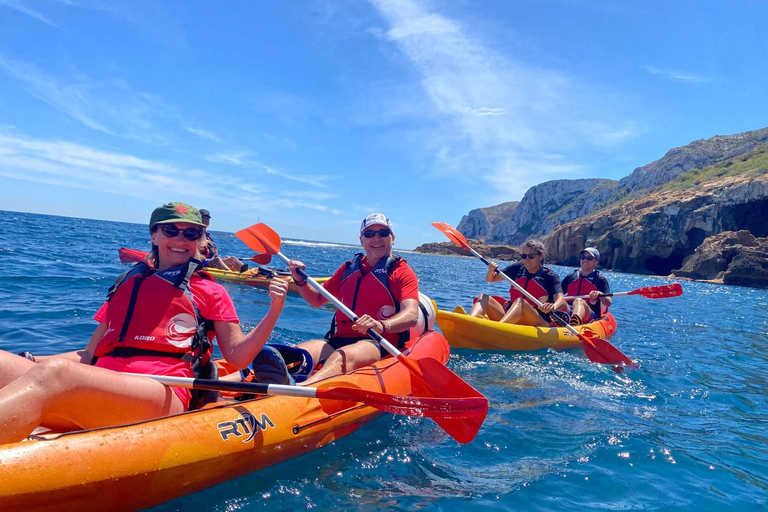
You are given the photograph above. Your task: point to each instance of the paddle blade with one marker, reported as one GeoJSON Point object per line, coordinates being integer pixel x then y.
{"type": "Point", "coordinates": [261, 259]}
{"type": "Point", "coordinates": [260, 238]}
{"type": "Point", "coordinates": [416, 406]}
{"type": "Point", "coordinates": [659, 292]}
{"type": "Point", "coordinates": [453, 234]}
{"type": "Point", "coordinates": [430, 378]}
{"type": "Point", "coordinates": [600, 351]}
{"type": "Point", "coordinates": [131, 255]}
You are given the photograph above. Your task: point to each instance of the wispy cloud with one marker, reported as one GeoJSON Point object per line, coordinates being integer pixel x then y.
{"type": "Point", "coordinates": [21, 7]}
{"type": "Point", "coordinates": [317, 180]}
{"type": "Point", "coordinates": [678, 76]}
{"type": "Point", "coordinates": [109, 106]}
{"type": "Point", "coordinates": [65, 164]}
{"type": "Point", "coordinates": [203, 134]}
{"type": "Point", "coordinates": [238, 158]}
{"type": "Point", "coordinates": [497, 117]}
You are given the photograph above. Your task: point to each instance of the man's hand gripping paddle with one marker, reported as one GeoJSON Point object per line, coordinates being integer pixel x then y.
{"type": "Point", "coordinates": [429, 378]}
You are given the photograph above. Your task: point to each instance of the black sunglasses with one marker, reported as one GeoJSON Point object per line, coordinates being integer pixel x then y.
{"type": "Point", "coordinates": [171, 231]}
{"type": "Point", "coordinates": [383, 233]}
{"type": "Point", "coordinates": [588, 258]}
{"type": "Point", "coordinates": [529, 256]}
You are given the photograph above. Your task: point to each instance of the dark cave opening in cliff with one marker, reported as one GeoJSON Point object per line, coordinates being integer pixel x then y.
{"type": "Point", "coordinates": [664, 266]}
{"type": "Point", "coordinates": [750, 216]}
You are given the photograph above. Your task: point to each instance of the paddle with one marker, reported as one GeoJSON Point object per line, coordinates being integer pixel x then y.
{"type": "Point", "coordinates": [597, 349]}
{"type": "Point", "coordinates": [436, 408]}
{"type": "Point", "coordinates": [649, 292]}
{"type": "Point", "coordinates": [135, 255]}
{"type": "Point", "coordinates": [429, 377]}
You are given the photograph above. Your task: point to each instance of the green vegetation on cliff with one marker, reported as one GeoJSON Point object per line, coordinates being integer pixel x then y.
{"type": "Point", "coordinates": [752, 163]}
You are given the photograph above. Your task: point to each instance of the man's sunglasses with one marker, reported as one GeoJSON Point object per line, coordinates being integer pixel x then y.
{"type": "Point", "coordinates": [529, 256]}
{"type": "Point", "coordinates": [588, 258]}
{"type": "Point", "coordinates": [383, 233]}
{"type": "Point", "coordinates": [171, 231]}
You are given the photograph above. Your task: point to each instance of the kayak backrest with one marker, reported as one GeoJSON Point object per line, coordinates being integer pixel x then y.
{"type": "Point", "coordinates": [427, 315]}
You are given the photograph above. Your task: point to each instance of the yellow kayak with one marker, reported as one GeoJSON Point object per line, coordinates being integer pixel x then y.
{"type": "Point", "coordinates": [464, 331]}
{"type": "Point", "coordinates": [252, 277]}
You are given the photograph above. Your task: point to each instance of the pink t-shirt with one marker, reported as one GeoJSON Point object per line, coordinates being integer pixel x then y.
{"type": "Point", "coordinates": [213, 302]}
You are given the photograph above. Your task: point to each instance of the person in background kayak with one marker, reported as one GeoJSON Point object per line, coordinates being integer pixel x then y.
{"type": "Point", "coordinates": [157, 320]}
{"type": "Point", "coordinates": [379, 287]}
{"type": "Point", "coordinates": [538, 280]}
{"type": "Point", "coordinates": [211, 254]}
{"type": "Point", "coordinates": [587, 281]}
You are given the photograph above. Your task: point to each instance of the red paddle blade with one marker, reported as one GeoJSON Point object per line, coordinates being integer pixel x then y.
{"type": "Point", "coordinates": [260, 238]}
{"type": "Point", "coordinates": [659, 292]}
{"type": "Point", "coordinates": [430, 378]}
{"type": "Point", "coordinates": [132, 255]}
{"type": "Point", "coordinates": [452, 233]}
{"type": "Point", "coordinates": [444, 408]}
{"type": "Point", "coordinates": [600, 351]}
{"type": "Point", "coordinates": [261, 259]}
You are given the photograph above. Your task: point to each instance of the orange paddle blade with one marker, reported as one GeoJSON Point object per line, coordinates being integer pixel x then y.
{"type": "Point", "coordinates": [430, 378]}
{"type": "Point", "coordinates": [260, 238]}
{"type": "Point", "coordinates": [659, 292]}
{"type": "Point", "coordinates": [132, 255]}
{"type": "Point", "coordinates": [261, 259]}
{"type": "Point", "coordinates": [452, 233]}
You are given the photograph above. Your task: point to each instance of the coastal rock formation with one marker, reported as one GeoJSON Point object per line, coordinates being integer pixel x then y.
{"type": "Point", "coordinates": [656, 233]}
{"type": "Point", "coordinates": [479, 223]}
{"type": "Point", "coordinates": [549, 205]}
{"type": "Point", "coordinates": [696, 155]}
{"type": "Point", "coordinates": [497, 252]}
{"type": "Point", "coordinates": [729, 257]}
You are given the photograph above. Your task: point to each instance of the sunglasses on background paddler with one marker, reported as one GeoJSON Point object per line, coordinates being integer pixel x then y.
{"type": "Point", "coordinates": [588, 258]}
{"type": "Point", "coordinates": [383, 233]}
{"type": "Point", "coordinates": [171, 231]}
{"type": "Point", "coordinates": [529, 256]}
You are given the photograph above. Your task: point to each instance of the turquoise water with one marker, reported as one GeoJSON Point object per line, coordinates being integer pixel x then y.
{"type": "Point", "coordinates": [688, 430]}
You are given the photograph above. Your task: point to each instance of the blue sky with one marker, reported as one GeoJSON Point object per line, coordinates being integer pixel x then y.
{"type": "Point", "coordinates": [308, 115]}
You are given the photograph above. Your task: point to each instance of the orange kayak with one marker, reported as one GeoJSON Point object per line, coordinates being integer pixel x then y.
{"type": "Point", "coordinates": [132, 467]}
{"type": "Point", "coordinates": [464, 331]}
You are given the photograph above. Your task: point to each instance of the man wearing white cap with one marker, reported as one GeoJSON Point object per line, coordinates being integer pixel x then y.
{"type": "Point", "coordinates": [587, 281]}
{"type": "Point", "coordinates": [379, 287]}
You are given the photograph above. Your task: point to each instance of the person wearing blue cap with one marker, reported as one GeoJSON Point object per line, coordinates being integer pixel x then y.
{"type": "Point", "coordinates": [587, 281]}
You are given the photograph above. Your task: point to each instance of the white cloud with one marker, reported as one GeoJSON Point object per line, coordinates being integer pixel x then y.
{"type": "Point", "coordinates": [109, 106]}
{"type": "Point", "coordinates": [20, 6]}
{"type": "Point", "coordinates": [678, 76]}
{"type": "Point", "coordinates": [203, 134]}
{"type": "Point", "coordinates": [497, 120]}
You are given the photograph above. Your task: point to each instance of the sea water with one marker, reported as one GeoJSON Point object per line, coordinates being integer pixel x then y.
{"type": "Point", "coordinates": [688, 430]}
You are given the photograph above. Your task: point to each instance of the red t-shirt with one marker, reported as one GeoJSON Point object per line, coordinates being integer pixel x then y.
{"type": "Point", "coordinates": [213, 302]}
{"type": "Point", "coordinates": [403, 282]}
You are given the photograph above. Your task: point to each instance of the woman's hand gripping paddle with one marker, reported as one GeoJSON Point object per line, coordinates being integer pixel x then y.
{"type": "Point", "coordinates": [597, 349]}
{"type": "Point", "coordinates": [430, 379]}
{"type": "Point", "coordinates": [649, 292]}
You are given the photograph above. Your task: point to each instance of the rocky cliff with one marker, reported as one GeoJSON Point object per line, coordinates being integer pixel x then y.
{"type": "Point", "coordinates": [479, 223]}
{"type": "Point", "coordinates": [655, 218]}
{"type": "Point", "coordinates": [656, 233]}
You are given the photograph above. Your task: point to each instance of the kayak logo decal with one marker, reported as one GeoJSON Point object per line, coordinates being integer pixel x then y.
{"type": "Point", "coordinates": [245, 425]}
{"type": "Point", "coordinates": [180, 329]}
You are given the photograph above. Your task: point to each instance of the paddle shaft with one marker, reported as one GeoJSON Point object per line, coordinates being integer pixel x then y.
{"type": "Point", "coordinates": [235, 387]}
{"type": "Point", "coordinates": [341, 307]}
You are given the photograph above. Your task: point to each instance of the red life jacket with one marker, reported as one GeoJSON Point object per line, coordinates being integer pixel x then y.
{"type": "Point", "coordinates": [152, 313]}
{"type": "Point", "coordinates": [581, 285]}
{"type": "Point", "coordinates": [367, 294]}
{"type": "Point", "coordinates": [529, 284]}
